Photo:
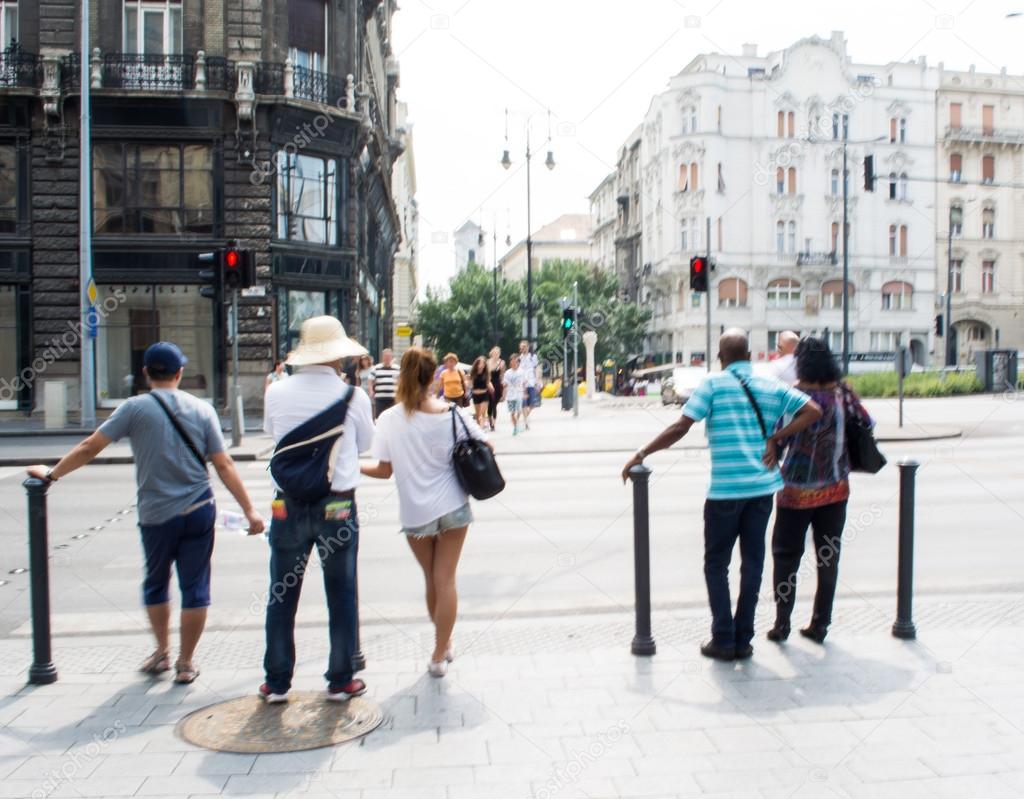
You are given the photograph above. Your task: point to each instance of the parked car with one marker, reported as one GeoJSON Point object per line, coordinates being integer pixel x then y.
{"type": "Point", "coordinates": [677, 388]}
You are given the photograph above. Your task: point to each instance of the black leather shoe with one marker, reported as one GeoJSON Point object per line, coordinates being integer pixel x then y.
{"type": "Point", "coordinates": [744, 652]}
{"type": "Point", "coordinates": [715, 651]}
{"type": "Point", "coordinates": [778, 633]}
{"type": "Point", "coordinates": [816, 634]}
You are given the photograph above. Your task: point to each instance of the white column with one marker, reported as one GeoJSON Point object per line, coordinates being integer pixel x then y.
{"type": "Point", "coordinates": [590, 341]}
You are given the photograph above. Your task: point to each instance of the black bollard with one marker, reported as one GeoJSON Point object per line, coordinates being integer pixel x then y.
{"type": "Point", "coordinates": [643, 643]}
{"type": "Point", "coordinates": [904, 626]}
{"type": "Point", "coordinates": [42, 672]}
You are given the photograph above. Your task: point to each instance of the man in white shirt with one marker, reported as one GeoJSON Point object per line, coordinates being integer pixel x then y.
{"type": "Point", "coordinates": [784, 367]}
{"type": "Point", "coordinates": [331, 523]}
{"type": "Point", "coordinates": [528, 366]}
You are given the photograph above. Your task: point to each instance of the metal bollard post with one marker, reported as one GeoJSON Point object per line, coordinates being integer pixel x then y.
{"type": "Point", "coordinates": [643, 642]}
{"type": "Point", "coordinates": [42, 672]}
{"type": "Point", "coordinates": [904, 626]}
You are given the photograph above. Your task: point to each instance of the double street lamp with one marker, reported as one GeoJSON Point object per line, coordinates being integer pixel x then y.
{"type": "Point", "coordinates": [956, 220]}
{"type": "Point", "coordinates": [549, 162]}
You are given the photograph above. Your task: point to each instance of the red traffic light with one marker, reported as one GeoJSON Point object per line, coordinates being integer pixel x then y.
{"type": "Point", "coordinates": [698, 265]}
{"type": "Point", "coordinates": [231, 259]}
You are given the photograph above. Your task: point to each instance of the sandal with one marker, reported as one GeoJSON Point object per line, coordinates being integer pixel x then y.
{"type": "Point", "coordinates": [157, 663]}
{"type": "Point", "coordinates": [185, 673]}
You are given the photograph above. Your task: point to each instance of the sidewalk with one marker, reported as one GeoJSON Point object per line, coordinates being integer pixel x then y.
{"type": "Point", "coordinates": [557, 706]}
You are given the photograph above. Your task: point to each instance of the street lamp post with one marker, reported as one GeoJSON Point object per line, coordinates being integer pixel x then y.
{"type": "Point", "coordinates": [549, 162]}
{"type": "Point", "coordinates": [956, 217]}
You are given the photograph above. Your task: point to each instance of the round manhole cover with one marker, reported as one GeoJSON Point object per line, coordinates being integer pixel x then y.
{"type": "Point", "coordinates": [306, 721]}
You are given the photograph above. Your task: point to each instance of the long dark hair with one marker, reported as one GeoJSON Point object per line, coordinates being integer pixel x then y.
{"type": "Point", "coordinates": [815, 362]}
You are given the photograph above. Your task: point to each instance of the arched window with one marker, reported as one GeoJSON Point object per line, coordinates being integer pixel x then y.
{"type": "Point", "coordinates": [780, 237]}
{"type": "Point", "coordinates": [832, 294]}
{"type": "Point", "coordinates": [956, 167]}
{"type": "Point", "coordinates": [897, 295]}
{"type": "Point", "coordinates": [988, 223]}
{"type": "Point", "coordinates": [988, 169]}
{"type": "Point", "coordinates": [898, 241]}
{"type": "Point", "coordinates": [957, 267]}
{"type": "Point", "coordinates": [791, 124]}
{"type": "Point", "coordinates": [988, 277]}
{"type": "Point", "coordinates": [892, 185]}
{"type": "Point", "coordinates": [791, 238]}
{"type": "Point", "coordinates": [693, 177]}
{"type": "Point", "coordinates": [834, 237]}
{"type": "Point", "coordinates": [684, 177]}
{"type": "Point", "coordinates": [904, 184]}
{"type": "Point", "coordinates": [834, 182]}
{"type": "Point", "coordinates": [956, 220]}
{"type": "Point", "coordinates": [780, 181]}
{"type": "Point", "coordinates": [892, 130]}
{"type": "Point", "coordinates": [903, 131]}
{"type": "Point", "coordinates": [780, 126]}
{"type": "Point", "coordinates": [791, 179]}
{"type": "Point", "coordinates": [892, 240]}
{"type": "Point", "coordinates": [732, 293]}
{"type": "Point", "coordinates": [784, 293]}
{"type": "Point", "coordinates": [689, 119]}
{"type": "Point", "coordinates": [903, 241]}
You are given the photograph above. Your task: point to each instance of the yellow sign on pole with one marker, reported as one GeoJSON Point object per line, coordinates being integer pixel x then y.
{"type": "Point", "coordinates": [403, 331]}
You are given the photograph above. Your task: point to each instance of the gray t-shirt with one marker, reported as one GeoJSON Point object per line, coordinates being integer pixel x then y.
{"type": "Point", "coordinates": [169, 477]}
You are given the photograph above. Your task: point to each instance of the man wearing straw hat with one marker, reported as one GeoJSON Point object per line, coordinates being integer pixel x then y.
{"type": "Point", "coordinates": [318, 422]}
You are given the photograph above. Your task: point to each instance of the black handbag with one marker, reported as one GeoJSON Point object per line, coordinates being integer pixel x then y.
{"type": "Point", "coordinates": [474, 464]}
{"type": "Point", "coordinates": [861, 447]}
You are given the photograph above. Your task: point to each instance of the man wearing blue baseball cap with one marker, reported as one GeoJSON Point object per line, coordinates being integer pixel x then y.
{"type": "Point", "coordinates": [173, 434]}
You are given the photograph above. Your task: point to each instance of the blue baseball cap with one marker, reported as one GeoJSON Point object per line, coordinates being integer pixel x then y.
{"type": "Point", "coordinates": [165, 357]}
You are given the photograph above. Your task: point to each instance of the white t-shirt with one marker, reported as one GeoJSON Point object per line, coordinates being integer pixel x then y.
{"type": "Point", "coordinates": [784, 368]}
{"type": "Point", "coordinates": [419, 447]}
{"type": "Point", "coordinates": [528, 366]}
{"type": "Point", "coordinates": [514, 381]}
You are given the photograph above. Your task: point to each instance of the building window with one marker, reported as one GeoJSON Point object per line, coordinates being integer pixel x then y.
{"type": "Point", "coordinates": [780, 181]}
{"type": "Point", "coordinates": [840, 126]}
{"type": "Point", "coordinates": [307, 198]}
{"type": "Point", "coordinates": [152, 27]}
{"type": "Point", "coordinates": [988, 120]}
{"type": "Point", "coordinates": [988, 168]}
{"type": "Point", "coordinates": [898, 130]}
{"type": "Point", "coordinates": [694, 185]}
{"type": "Point", "coordinates": [158, 189]}
{"type": "Point", "coordinates": [784, 293]}
{"type": "Point", "coordinates": [892, 130]}
{"type": "Point", "coordinates": [904, 186]}
{"type": "Point", "coordinates": [307, 34]}
{"type": "Point", "coordinates": [834, 236]}
{"type": "Point", "coordinates": [791, 237]}
{"type": "Point", "coordinates": [780, 124]}
{"type": "Point", "coordinates": [897, 295]}
{"type": "Point", "coordinates": [976, 333]}
{"type": "Point", "coordinates": [689, 234]}
{"type": "Point", "coordinates": [832, 294]}
{"type": "Point", "coordinates": [791, 180]}
{"type": "Point", "coordinates": [956, 167]}
{"type": "Point", "coordinates": [903, 131]}
{"type": "Point", "coordinates": [898, 241]}
{"type": "Point", "coordinates": [892, 185]}
{"type": "Point", "coordinates": [957, 267]}
{"type": "Point", "coordinates": [954, 116]}
{"type": "Point", "coordinates": [721, 180]}
{"type": "Point", "coordinates": [684, 177]}
{"type": "Point", "coordinates": [834, 183]}
{"type": "Point", "coordinates": [988, 223]}
{"type": "Point", "coordinates": [885, 340]}
{"type": "Point", "coordinates": [732, 293]}
{"type": "Point", "coordinates": [780, 237]}
{"type": "Point", "coordinates": [8, 189]}
{"type": "Point", "coordinates": [956, 221]}
{"type": "Point", "coordinates": [8, 23]}
{"type": "Point", "coordinates": [835, 341]}
{"type": "Point", "coordinates": [988, 277]}
{"type": "Point", "coordinates": [690, 119]}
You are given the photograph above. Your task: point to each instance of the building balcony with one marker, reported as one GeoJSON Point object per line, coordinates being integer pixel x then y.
{"type": "Point", "coordinates": [19, 69]}
{"type": "Point", "coordinates": [1013, 137]}
{"type": "Point", "coordinates": [817, 258]}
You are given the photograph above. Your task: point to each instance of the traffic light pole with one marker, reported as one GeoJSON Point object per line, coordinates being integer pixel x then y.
{"type": "Point", "coordinates": [237, 415]}
{"type": "Point", "coordinates": [707, 352]}
{"type": "Point", "coordinates": [575, 348]}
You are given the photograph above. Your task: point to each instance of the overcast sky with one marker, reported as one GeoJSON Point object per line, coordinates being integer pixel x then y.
{"type": "Point", "coordinates": [595, 64]}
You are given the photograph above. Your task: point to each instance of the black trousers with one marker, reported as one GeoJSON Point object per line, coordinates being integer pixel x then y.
{"type": "Point", "coordinates": [788, 537]}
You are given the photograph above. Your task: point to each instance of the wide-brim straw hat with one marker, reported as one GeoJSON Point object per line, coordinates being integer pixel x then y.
{"type": "Point", "coordinates": [322, 339]}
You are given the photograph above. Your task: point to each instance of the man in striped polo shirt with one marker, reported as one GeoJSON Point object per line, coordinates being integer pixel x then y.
{"type": "Point", "coordinates": [741, 413]}
{"type": "Point", "coordinates": [383, 381]}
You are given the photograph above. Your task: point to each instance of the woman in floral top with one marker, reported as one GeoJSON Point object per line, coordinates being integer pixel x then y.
{"type": "Point", "coordinates": [816, 471]}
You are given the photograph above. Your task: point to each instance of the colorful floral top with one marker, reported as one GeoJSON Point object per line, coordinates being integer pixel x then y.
{"type": "Point", "coordinates": [816, 467]}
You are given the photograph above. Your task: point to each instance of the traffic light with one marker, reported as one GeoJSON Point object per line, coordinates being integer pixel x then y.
{"type": "Point", "coordinates": [212, 276]}
{"type": "Point", "coordinates": [568, 321]}
{"type": "Point", "coordinates": [939, 330]}
{"type": "Point", "coordinates": [869, 173]}
{"type": "Point", "coordinates": [239, 267]}
{"type": "Point", "coordinates": [700, 266]}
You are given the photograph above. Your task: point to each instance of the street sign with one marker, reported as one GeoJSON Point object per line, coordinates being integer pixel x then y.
{"type": "Point", "coordinates": [404, 331]}
{"type": "Point", "coordinates": [255, 291]}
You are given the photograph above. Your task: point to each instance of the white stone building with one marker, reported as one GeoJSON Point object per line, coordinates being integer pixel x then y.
{"type": "Point", "coordinates": [406, 279]}
{"type": "Point", "coordinates": [470, 245]}
{"type": "Point", "coordinates": [566, 238]}
{"type": "Point", "coordinates": [755, 144]}
{"type": "Point", "coordinates": [603, 215]}
{"type": "Point", "coordinates": [980, 124]}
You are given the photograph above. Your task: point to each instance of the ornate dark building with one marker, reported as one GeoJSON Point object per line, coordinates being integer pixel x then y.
{"type": "Point", "coordinates": [269, 122]}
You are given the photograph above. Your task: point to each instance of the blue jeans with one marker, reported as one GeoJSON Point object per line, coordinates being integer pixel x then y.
{"type": "Point", "coordinates": [725, 520]}
{"type": "Point", "coordinates": [332, 525]}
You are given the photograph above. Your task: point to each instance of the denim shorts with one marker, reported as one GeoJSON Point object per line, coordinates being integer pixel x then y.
{"type": "Point", "coordinates": [514, 406]}
{"type": "Point", "coordinates": [184, 542]}
{"type": "Point", "coordinates": [460, 517]}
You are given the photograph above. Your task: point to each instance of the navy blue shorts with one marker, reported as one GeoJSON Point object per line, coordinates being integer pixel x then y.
{"type": "Point", "coordinates": [186, 542]}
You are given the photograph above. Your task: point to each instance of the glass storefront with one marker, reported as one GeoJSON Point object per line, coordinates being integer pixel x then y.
{"type": "Point", "coordinates": [134, 316]}
{"type": "Point", "coordinates": [8, 347]}
{"type": "Point", "coordinates": [301, 306]}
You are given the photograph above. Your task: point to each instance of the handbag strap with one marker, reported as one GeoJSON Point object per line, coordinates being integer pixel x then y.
{"type": "Point", "coordinates": [455, 432]}
{"type": "Point", "coordinates": [753, 402]}
{"type": "Point", "coordinates": [181, 430]}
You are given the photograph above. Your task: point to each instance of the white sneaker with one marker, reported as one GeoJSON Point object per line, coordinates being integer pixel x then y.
{"type": "Point", "coordinates": [449, 653]}
{"type": "Point", "coordinates": [438, 669]}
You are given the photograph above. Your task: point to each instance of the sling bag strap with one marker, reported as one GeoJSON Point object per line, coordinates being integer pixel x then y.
{"type": "Point", "coordinates": [181, 430]}
{"type": "Point", "coordinates": [753, 402]}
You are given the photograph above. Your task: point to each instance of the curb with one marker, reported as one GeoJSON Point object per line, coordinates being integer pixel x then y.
{"type": "Point", "coordinates": [110, 460]}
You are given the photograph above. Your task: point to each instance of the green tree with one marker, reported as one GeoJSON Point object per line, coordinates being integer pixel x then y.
{"type": "Point", "coordinates": [460, 319]}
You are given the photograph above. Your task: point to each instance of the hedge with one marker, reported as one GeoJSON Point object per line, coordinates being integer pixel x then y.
{"type": "Point", "coordinates": [918, 384]}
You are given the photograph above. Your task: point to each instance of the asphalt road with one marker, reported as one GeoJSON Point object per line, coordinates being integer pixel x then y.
{"type": "Point", "coordinates": [559, 539]}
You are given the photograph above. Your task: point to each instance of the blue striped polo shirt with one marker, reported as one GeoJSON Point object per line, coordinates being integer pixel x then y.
{"type": "Point", "coordinates": [734, 436]}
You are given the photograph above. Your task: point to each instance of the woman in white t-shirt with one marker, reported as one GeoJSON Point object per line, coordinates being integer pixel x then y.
{"type": "Point", "coordinates": [414, 441]}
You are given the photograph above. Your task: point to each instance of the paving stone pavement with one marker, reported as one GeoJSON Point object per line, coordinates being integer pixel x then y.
{"type": "Point", "coordinates": [557, 707]}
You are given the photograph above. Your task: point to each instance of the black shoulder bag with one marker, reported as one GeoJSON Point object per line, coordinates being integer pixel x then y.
{"type": "Point", "coordinates": [474, 463]}
{"type": "Point", "coordinates": [757, 410]}
{"type": "Point", "coordinates": [861, 447]}
{"type": "Point", "coordinates": [181, 430]}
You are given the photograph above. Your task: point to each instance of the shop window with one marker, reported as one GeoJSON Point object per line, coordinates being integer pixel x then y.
{"type": "Point", "coordinates": [8, 189]}
{"type": "Point", "coordinates": [307, 198]}
{"type": "Point", "coordinates": [158, 189]}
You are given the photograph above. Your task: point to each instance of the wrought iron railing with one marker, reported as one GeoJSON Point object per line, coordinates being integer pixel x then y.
{"type": "Point", "coordinates": [221, 75]}
{"type": "Point", "coordinates": [148, 72]}
{"type": "Point", "coordinates": [70, 72]}
{"type": "Point", "coordinates": [19, 68]}
{"type": "Point", "coordinates": [269, 78]}
{"type": "Point", "coordinates": [320, 87]}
